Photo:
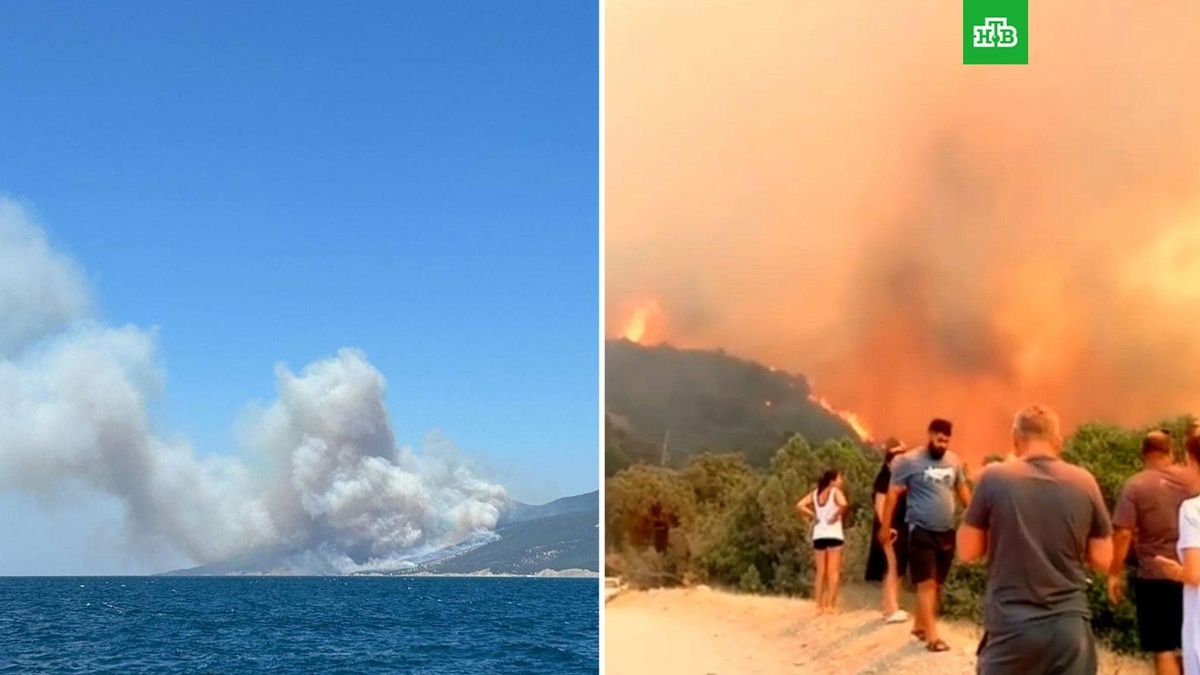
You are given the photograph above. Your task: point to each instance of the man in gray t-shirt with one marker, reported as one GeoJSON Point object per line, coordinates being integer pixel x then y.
{"type": "Point", "coordinates": [930, 478]}
{"type": "Point", "coordinates": [1040, 522]}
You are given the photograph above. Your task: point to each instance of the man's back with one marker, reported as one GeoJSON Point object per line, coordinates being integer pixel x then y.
{"type": "Point", "coordinates": [1039, 514]}
{"type": "Point", "coordinates": [1149, 505]}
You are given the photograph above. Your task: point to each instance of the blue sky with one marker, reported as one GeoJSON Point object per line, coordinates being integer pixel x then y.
{"type": "Point", "coordinates": [268, 182]}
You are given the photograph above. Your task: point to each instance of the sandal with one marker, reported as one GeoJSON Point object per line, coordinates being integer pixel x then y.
{"type": "Point", "coordinates": [919, 634]}
{"type": "Point", "coordinates": [938, 646]}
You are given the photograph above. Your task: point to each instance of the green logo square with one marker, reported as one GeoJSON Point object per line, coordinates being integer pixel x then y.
{"type": "Point", "coordinates": [995, 32]}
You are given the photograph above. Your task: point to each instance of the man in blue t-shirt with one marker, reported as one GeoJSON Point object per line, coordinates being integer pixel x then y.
{"type": "Point", "coordinates": [931, 478]}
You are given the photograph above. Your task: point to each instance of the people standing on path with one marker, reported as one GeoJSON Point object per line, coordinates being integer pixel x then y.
{"type": "Point", "coordinates": [931, 478]}
{"type": "Point", "coordinates": [825, 506]}
{"type": "Point", "coordinates": [1147, 517]}
{"type": "Point", "coordinates": [1040, 522]}
{"type": "Point", "coordinates": [887, 563]}
{"type": "Point", "coordinates": [1184, 567]}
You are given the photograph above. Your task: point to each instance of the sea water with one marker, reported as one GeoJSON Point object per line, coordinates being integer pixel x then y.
{"type": "Point", "coordinates": [299, 625]}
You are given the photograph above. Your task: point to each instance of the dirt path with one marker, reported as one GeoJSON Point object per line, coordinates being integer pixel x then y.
{"type": "Point", "coordinates": [705, 632]}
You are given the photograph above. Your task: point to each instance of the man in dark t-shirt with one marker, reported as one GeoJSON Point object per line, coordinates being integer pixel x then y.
{"type": "Point", "coordinates": [1040, 522]}
{"type": "Point", "coordinates": [883, 481]}
{"type": "Point", "coordinates": [888, 563]}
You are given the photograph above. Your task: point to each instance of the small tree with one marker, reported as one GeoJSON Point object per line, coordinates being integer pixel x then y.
{"type": "Point", "coordinates": [751, 581]}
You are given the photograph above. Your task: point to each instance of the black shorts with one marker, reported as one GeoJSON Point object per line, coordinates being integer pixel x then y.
{"type": "Point", "coordinates": [822, 544]}
{"type": "Point", "coordinates": [1159, 614]}
{"type": "Point", "coordinates": [930, 555]}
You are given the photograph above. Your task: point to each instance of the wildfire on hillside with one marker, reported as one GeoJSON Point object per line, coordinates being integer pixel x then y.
{"type": "Point", "coordinates": [638, 328]}
{"type": "Point", "coordinates": [647, 324]}
{"type": "Point", "coordinates": [1020, 242]}
{"type": "Point", "coordinates": [855, 421]}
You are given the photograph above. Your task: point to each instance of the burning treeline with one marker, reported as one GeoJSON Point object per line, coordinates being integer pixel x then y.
{"type": "Point", "coordinates": [827, 189]}
{"type": "Point", "coordinates": [647, 319]}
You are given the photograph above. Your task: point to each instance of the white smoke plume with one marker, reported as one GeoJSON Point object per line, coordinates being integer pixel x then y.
{"type": "Point", "coordinates": [319, 481]}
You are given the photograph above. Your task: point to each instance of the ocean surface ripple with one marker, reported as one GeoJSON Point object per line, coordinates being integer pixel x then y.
{"type": "Point", "coordinates": [299, 625]}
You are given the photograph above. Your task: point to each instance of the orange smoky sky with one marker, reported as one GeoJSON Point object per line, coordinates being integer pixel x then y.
{"type": "Point", "coordinates": [825, 188]}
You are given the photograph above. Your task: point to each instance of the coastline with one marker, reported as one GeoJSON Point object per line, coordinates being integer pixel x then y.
{"type": "Point", "coordinates": [484, 574]}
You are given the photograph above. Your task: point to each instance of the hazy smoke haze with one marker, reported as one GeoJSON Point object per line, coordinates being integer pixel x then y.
{"type": "Point", "coordinates": [826, 188]}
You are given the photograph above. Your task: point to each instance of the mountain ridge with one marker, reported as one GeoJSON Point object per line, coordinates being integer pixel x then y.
{"type": "Point", "coordinates": [665, 404]}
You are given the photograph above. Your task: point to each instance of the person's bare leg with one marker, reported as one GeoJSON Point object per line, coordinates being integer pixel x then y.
{"type": "Point", "coordinates": [819, 556]}
{"type": "Point", "coordinates": [919, 626]}
{"type": "Point", "coordinates": [1167, 663]}
{"type": "Point", "coordinates": [891, 584]}
{"type": "Point", "coordinates": [833, 575]}
{"type": "Point", "coordinates": [927, 596]}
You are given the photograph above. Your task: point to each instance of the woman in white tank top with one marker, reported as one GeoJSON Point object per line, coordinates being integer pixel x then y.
{"type": "Point", "coordinates": [825, 506]}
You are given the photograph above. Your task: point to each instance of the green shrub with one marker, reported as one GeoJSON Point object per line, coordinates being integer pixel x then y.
{"type": "Point", "coordinates": [751, 582]}
{"type": "Point", "coordinates": [647, 568]}
{"type": "Point", "coordinates": [962, 596]}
